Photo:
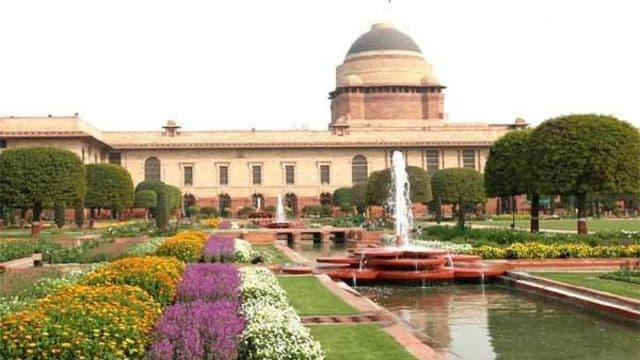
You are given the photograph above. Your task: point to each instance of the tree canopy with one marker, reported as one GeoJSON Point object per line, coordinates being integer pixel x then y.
{"type": "Point", "coordinates": [108, 186]}
{"type": "Point", "coordinates": [458, 186]}
{"type": "Point", "coordinates": [342, 197]}
{"type": "Point", "coordinates": [174, 196]}
{"type": "Point", "coordinates": [37, 177]}
{"type": "Point", "coordinates": [583, 154]}
{"type": "Point", "coordinates": [379, 185]}
{"type": "Point", "coordinates": [506, 171]}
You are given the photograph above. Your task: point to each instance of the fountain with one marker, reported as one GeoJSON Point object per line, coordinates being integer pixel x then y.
{"type": "Point", "coordinates": [405, 261]}
{"type": "Point", "coordinates": [281, 220]}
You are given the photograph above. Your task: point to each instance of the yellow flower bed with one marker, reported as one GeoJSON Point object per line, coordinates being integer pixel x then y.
{"type": "Point", "coordinates": [535, 250]}
{"type": "Point", "coordinates": [159, 276]}
{"type": "Point", "coordinates": [82, 322]}
{"type": "Point", "coordinates": [186, 246]}
{"type": "Point", "coordinates": [211, 223]}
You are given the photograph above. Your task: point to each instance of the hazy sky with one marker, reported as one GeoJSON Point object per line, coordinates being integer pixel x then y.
{"type": "Point", "coordinates": [270, 64]}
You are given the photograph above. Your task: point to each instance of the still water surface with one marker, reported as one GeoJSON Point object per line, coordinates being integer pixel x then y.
{"type": "Point", "coordinates": [491, 322]}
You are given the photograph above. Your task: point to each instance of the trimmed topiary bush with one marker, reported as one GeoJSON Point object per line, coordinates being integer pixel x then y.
{"type": "Point", "coordinates": [59, 217]}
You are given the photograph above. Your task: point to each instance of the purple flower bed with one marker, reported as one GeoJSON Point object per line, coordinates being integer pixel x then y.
{"type": "Point", "coordinates": [219, 249]}
{"type": "Point", "coordinates": [199, 330]}
{"type": "Point", "coordinates": [225, 225]}
{"type": "Point", "coordinates": [209, 282]}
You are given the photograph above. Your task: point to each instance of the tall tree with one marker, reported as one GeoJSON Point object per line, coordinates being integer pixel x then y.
{"type": "Point", "coordinates": [461, 187]}
{"type": "Point", "coordinates": [585, 154]}
{"type": "Point", "coordinates": [37, 177]}
{"type": "Point", "coordinates": [108, 187]}
{"type": "Point", "coordinates": [505, 173]}
{"type": "Point", "coordinates": [379, 186]}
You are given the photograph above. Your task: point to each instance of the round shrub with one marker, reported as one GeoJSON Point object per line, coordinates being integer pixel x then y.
{"type": "Point", "coordinates": [91, 322]}
{"type": "Point", "coordinates": [186, 246]}
{"type": "Point", "coordinates": [159, 276]}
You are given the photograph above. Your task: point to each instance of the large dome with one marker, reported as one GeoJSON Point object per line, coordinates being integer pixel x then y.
{"type": "Point", "coordinates": [383, 37]}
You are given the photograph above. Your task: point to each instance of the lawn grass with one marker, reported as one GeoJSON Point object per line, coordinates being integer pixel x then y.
{"type": "Point", "coordinates": [592, 281]}
{"type": "Point", "coordinates": [361, 341]}
{"type": "Point", "coordinates": [276, 256]}
{"type": "Point", "coordinates": [594, 225]}
{"type": "Point", "coordinates": [309, 297]}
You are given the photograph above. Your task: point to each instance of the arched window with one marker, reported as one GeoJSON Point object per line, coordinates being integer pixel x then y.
{"type": "Point", "coordinates": [291, 202]}
{"type": "Point", "coordinates": [257, 201]}
{"type": "Point", "coordinates": [152, 169]}
{"type": "Point", "coordinates": [359, 169]}
{"type": "Point", "coordinates": [224, 204]}
{"type": "Point", "coordinates": [326, 199]}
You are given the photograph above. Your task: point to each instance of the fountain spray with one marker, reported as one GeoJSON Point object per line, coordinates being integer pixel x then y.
{"type": "Point", "coordinates": [400, 200]}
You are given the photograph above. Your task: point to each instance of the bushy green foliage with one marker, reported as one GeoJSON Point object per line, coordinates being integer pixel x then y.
{"type": "Point", "coordinates": [478, 237]}
{"type": "Point", "coordinates": [145, 199]}
{"type": "Point", "coordinates": [16, 249]}
{"type": "Point", "coordinates": [79, 213]}
{"type": "Point", "coordinates": [342, 197]}
{"type": "Point", "coordinates": [209, 211]}
{"type": "Point", "coordinates": [59, 217]}
{"type": "Point", "coordinates": [459, 186]}
{"type": "Point", "coordinates": [359, 196]}
{"type": "Point", "coordinates": [312, 210]}
{"type": "Point", "coordinates": [174, 197]}
{"type": "Point", "coordinates": [36, 177]}
{"type": "Point", "coordinates": [379, 186]}
{"type": "Point", "coordinates": [506, 170]}
{"type": "Point", "coordinates": [109, 186]}
{"type": "Point", "coordinates": [162, 210]}
{"type": "Point", "coordinates": [585, 154]}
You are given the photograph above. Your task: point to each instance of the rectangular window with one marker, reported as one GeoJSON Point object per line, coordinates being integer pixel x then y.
{"type": "Point", "coordinates": [256, 173]}
{"type": "Point", "coordinates": [469, 158]}
{"type": "Point", "coordinates": [3, 143]}
{"type": "Point", "coordinates": [188, 176]}
{"type": "Point", "coordinates": [433, 160]}
{"type": "Point", "coordinates": [115, 158]}
{"type": "Point", "coordinates": [325, 174]}
{"type": "Point", "coordinates": [289, 174]}
{"type": "Point", "coordinates": [223, 175]}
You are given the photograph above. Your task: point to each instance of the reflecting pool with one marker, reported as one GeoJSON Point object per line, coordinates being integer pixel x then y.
{"type": "Point", "coordinates": [492, 322]}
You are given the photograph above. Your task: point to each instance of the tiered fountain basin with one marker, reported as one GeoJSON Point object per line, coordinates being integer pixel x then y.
{"type": "Point", "coordinates": [408, 264]}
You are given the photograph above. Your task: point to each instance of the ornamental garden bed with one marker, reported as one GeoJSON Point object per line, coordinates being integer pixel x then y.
{"type": "Point", "coordinates": [211, 310]}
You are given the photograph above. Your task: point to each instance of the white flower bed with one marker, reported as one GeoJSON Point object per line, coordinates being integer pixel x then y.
{"type": "Point", "coordinates": [447, 245]}
{"type": "Point", "coordinates": [274, 330]}
{"type": "Point", "coordinates": [244, 251]}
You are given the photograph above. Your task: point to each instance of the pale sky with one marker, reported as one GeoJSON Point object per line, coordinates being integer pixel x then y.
{"type": "Point", "coordinates": [271, 64]}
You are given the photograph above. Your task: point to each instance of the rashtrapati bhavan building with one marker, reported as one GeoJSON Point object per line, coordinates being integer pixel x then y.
{"type": "Point", "coordinates": [386, 98]}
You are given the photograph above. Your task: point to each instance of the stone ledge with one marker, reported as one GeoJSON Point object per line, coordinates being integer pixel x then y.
{"type": "Point", "coordinates": [22, 263]}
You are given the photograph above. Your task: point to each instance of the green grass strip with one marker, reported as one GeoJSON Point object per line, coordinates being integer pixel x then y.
{"type": "Point", "coordinates": [309, 297]}
{"type": "Point", "coordinates": [361, 341]}
{"type": "Point", "coordinates": [592, 280]}
{"type": "Point", "coordinates": [276, 256]}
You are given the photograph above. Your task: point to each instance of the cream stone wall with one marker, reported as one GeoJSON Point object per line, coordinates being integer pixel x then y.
{"type": "Point", "coordinates": [306, 162]}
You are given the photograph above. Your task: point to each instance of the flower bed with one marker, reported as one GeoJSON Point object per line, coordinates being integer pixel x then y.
{"type": "Point", "coordinates": [145, 248]}
{"type": "Point", "coordinates": [198, 330]}
{"type": "Point", "coordinates": [505, 237]}
{"type": "Point", "coordinates": [41, 288]}
{"type": "Point", "coordinates": [91, 322]}
{"type": "Point", "coordinates": [209, 282]}
{"type": "Point", "coordinates": [187, 246]}
{"type": "Point", "coordinates": [206, 323]}
{"type": "Point", "coordinates": [535, 250]}
{"type": "Point", "coordinates": [219, 249]}
{"type": "Point", "coordinates": [157, 275]}
{"type": "Point", "coordinates": [274, 330]}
